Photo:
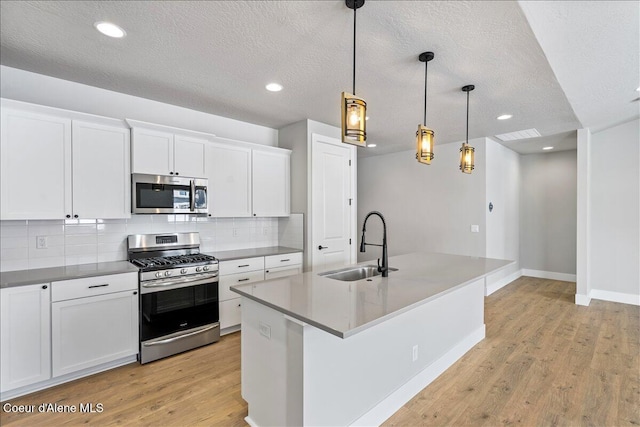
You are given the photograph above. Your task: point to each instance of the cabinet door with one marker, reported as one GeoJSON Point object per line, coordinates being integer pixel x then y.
{"type": "Point", "coordinates": [36, 166]}
{"type": "Point", "coordinates": [87, 332]}
{"type": "Point", "coordinates": [101, 177]}
{"type": "Point", "coordinates": [230, 313]}
{"type": "Point", "coordinates": [151, 152]}
{"type": "Point", "coordinates": [25, 338]}
{"type": "Point", "coordinates": [188, 156]}
{"type": "Point", "coordinates": [271, 171]}
{"type": "Point", "coordinates": [229, 173]}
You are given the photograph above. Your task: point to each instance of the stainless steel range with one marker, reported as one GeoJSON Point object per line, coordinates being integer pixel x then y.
{"type": "Point", "coordinates": [178, 293]}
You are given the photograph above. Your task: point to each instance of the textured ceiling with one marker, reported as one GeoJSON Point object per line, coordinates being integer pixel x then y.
{"type": "Point", "coordinates": [217, 56]}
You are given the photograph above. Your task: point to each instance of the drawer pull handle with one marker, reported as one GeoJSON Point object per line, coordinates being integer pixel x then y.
{"type": "Point", "coordinates": [244, 265]}
{"type": "Point", "coordinates": [243, 280]}
{"type": "Point", "coordinates": [98, 286]}
{"type": "Point", "coordinates": [285, 260]}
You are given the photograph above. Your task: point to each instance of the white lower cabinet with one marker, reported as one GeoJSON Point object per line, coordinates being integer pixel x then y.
{"type": "Point", "coordinates": [250, 270]}
{"type": "Point", "coordinates": [93, 321]}
{"type": "Point", "coordinates": [25, 340]}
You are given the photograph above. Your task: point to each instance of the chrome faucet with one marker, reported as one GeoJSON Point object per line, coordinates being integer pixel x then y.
{"type": "Point", "coordinates": [384, 268]}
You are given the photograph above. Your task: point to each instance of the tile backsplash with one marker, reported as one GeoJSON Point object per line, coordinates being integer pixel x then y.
{"type": "Point", "coordinates": [39, 244]}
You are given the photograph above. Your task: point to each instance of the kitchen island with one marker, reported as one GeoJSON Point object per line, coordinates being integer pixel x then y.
{"type": "Point", "coordinates": [320, 351]}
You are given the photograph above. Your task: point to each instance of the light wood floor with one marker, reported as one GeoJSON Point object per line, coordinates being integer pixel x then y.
{"type": "Point", "coordinates": [544, 362]}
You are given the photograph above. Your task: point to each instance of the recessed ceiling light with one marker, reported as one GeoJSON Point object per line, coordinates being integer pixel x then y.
{"type": "Point", "coordinates": [504, 117]}
{"type": "Point", "coordinates": [638, 90]}
{"type": "Point", "coordinates": [547, 148]}
{"type": "Point", "coordinates": [274, 87]}
{"type": "Point", "coordinates": [109, 29]}
{"type": "Point", "coordinates": [371, 145]}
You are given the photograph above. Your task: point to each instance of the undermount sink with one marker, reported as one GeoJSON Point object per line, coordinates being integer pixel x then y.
{"type": "Point", "coordinates": [350, 274]}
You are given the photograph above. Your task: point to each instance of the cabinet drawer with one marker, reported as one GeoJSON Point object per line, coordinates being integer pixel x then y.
{"type": "Point", "coordinates": [284, 260]}
{"type": "Point", "coordinates": [91, 286]}
{"type": "Point", "coordinates": [230, 313]}
{"type": "Point", "coordinates": [237, 279]}
{"type": "Point", "coordinates": [274, 273]}
{"type": "Point", "coordinates": [241, 265]}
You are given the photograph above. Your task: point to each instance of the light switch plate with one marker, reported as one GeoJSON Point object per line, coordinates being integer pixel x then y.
{"type": "Point", "coordinates": [41, 242]}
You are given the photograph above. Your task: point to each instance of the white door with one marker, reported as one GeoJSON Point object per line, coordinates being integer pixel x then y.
{"type": "Point", "coordinates": [25, 337]}
{"type": "Point", "coordinates": [331, 203]}
{"type": "Point", "coordinates": [101, 178]}
{"type": "Point", "coordinates": [36, 165]}
{"type": "Point", "coordinates": [271, 183]}
{"type": "Point", "coordinates": [229, 173]}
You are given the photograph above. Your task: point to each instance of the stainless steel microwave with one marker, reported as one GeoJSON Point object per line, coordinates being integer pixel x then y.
{"type": "Point", "coordinates": [158, 194]}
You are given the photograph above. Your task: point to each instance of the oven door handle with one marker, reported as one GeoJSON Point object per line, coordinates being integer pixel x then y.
{"type": "Point", "coordinates": [199, 281]}
{"type": "Point", "coordinates": [170, 340]}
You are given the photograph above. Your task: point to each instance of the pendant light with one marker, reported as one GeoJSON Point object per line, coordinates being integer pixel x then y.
{"type": "Point", "coordinates": [467, 151]}
{"type": "Point", "coordinates": [424, 135]}
{"type": "Point", "coordinates": [354, 109]}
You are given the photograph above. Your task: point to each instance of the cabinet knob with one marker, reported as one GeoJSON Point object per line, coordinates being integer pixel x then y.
{"type": "Point", "coordinates": [135, 292]}
{"type": "Point", "coordinates": [177, 173]}
{"type": "Point", "coordinates": [239, 305]}
{"type": "Point", "coordinates": [170, 173]}
{"type": "Point", "coordinates": [68, 216]}
{"type": "Point", "coordinates": [44, 286]}
{"type": "Point", "coordinates": [254, 214]}
{"type": "Point", "coordinates": [75, 216]}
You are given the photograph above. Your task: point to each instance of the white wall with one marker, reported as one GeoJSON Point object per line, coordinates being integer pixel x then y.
{"type": "Point", "coordinates": [503, 192]}
{"type": "Point", "coordinates": [614, 212]}
{"type": "Point", "coordinates": [427, 207]}
{"type": "Point", "coordinates": [40, 89]}
{"type": "Point", "coordinates": [548, 212]}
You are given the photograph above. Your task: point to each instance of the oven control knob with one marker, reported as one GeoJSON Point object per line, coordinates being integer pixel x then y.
{"type": "Point", "coordinates": [158, 274]}
{"type": "Point", "coordinates": [205, 268]}
{"type": "Point", "coordinates": [183, 271]}
{"type": "Point", "coordinates": [198, 269]}
{"type": "Point", "coordinates": [167, 273]}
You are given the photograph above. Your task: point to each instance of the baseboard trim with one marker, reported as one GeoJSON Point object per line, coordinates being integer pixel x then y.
{"type": "Point", "coordinates": [499, 284]}
{"type": "Point", "coordinates": [582, 299]}
{"type": "Point", "coordinates": [549, 275]}
{"type": "Point", "coordinates": [615, 297]}
{"type": "Point", "coordinates": [392, 403]}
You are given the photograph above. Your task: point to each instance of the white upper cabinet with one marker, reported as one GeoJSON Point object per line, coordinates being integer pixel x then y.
{"type": "Point", "coordinates": [101, 183]}
{"type": "Point", "coordinates": [271, 182]}
{"type": "Point", "coordinates": [161, 150]}
{"type": "Point", "coordinates": [151, 152]}
{"type": "Point", "coordinates": [56, 167]}
{"type": "Point", "coordinates": [36, 165]}
{"type": "Point", "coordinates": [229, 173]}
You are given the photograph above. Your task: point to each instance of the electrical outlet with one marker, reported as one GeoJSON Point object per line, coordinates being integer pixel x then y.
{"type": "Point", "coordinates": [265, 231]}
{"type": "Point", "coordinates": [41, 242]}
{"type": "Point", "coordinates": [265, 330]}
{"type": "Point", "coordinates": [475, 228]}
{"type": "Point", "coordinates": [235, 232]}
{"type": "Point", "coordinates": [415, 353]}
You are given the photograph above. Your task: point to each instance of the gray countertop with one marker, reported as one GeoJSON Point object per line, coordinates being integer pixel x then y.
{"type": "Point", "coordinates": [250, 253]}
{"type": "Point", "coordinates": [9, 279]}
{"type": "Point", "coordinates": [346, 308]}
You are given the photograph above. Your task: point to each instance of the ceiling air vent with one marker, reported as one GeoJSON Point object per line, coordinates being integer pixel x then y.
{"type": "Point", "coordinates": [521, 134]}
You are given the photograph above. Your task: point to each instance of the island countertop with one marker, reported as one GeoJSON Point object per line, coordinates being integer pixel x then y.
{"type": "Point", "coordinates": [346, 308]}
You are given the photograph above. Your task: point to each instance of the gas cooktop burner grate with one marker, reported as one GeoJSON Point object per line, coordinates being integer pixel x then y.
{"type": "Point", "coordinates": [170, 261]}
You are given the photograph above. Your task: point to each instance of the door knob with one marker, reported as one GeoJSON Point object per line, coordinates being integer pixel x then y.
{"type": "Point", "coordinates": [320, 247]}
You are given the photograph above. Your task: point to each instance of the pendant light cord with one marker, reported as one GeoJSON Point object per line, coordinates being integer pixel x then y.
{"type": "Point", "coordinates": [425, 92]}
{"type": "Point", "coordinates": [354, 50]}
{"type": "Point", "coordinates": [468, 117]}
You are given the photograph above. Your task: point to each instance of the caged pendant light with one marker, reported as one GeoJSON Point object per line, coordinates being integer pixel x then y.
{"type": "Point", "coordinates": [466, 151]}
{"type": "Point", "coordinates": [353, 108]}
{"type": "Point", "coordinates": [424, 135]}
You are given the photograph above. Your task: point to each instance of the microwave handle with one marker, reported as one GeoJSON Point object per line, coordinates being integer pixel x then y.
{"type": "Point", "coordinates": [192, 195]}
